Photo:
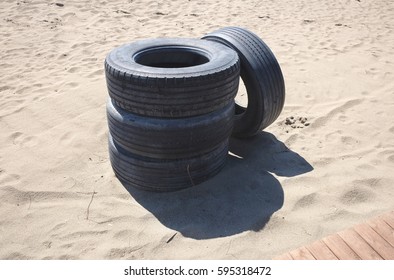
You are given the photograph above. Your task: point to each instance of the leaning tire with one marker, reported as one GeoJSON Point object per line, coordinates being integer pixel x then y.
{"type": "Point", "coordinates": [165, 175]}
{"type": "Point", "coordinates": [262, 76]}
{"type": "Point", "coordinates": [172, 78]}
{"type": "Point", "coordinates": [169, 138]}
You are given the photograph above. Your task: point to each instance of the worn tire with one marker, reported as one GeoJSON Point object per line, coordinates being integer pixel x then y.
{"type": "Point", "coordinates": [169, 138]}
{"type": "Point", "coordinates": [165, 175]}
{"type": "Point", "coordinates": [172, 78]}
{"type": "Point", "coordinates": [262, 76]}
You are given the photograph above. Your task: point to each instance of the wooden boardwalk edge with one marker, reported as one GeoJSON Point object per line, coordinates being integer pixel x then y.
{"type": "Point", "coordinates": [373, 240]}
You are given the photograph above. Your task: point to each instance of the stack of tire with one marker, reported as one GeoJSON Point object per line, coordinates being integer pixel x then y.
{"type": "Point", "coordinates": [171, 109]}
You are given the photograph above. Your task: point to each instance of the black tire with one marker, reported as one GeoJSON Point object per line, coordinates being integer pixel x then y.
{"type": "Point", "coordinates": [172, 78]}
{"type": "Point", "coordinates": [262, 76]}
{"type": "Point", "coordinates": [165, 175]}
{"type": "Point", "coordinates": [169, 138]}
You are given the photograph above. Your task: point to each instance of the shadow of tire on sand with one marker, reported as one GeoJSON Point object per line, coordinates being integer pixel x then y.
{"type": "Point", "coordinates": [242, 197]}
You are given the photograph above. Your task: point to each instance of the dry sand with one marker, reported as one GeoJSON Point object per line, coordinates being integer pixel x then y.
{"type": "Point", "coordinates": [288, 186]}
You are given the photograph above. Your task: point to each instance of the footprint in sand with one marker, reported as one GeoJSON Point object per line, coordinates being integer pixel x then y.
{"type": "Point", "coordinates": [123, 235]}
{"type": "Point", "coordinates": [73, 69]}
{"type": "Point", "coordinates": [20, 139]}
{"type": "Point", "coordinates": [12, 107]}
{"type": "Point", "coordinates": [72, 85]}
{"type": "Point", "coordinates": [357, 195]}
{"type": "Point", "coordinates": [295, 123]}
{"type": "Point", "coordinates": [388, 155]}
{"type": "Point", "coordinates": [306, 201]}
{"type": "Point", "coordinates": [96, 73]}
{"type": "Point", "coordinates": [349, 141]}
{"type": "Point", "coordinates": [8, 179]}
{"type": "Point", "coordinates": [16, 256]}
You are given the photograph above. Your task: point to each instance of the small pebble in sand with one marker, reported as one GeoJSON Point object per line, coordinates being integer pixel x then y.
{"type": "Point", "coordinates": [289, 121]}
{"type": "Point", "coordinates": [59, 4]}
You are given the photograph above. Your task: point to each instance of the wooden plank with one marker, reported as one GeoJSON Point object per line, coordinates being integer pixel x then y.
{"type": "Point", "coordinates": [381, 246]}
{"type": "Point", "coordinates": [302, 253]}
{"type": "Point", "coordinates": [389, 219]}
{"type": "Point", "coordinates": [340, 248]}
{"type": "Point", "coordinates": [373, 240]}
{"type": "Point", "coordinates": [320, 251]}
{"type": "Point", "coordinates": [383, 229]}
{"type": "Point", "coordinates": [359, 245]}
{"type": "Point", "coordinates": [285, 256]}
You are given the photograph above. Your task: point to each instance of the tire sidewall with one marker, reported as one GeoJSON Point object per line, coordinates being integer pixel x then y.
{"type": "Point", "coordinates": [219, 56]}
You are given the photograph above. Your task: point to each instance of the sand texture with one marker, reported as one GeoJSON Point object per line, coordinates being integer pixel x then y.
{"type": "Point", "coordinates": [326, 164]}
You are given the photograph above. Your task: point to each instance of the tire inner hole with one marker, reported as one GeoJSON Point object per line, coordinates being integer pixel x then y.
{"type": "Point", "coordinates": [241, 99]}
{"type": "Point", "coordinates": [170, 57]}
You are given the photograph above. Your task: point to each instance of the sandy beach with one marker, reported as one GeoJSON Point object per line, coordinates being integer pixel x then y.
{"type": "Point", "coordinates": [292, 184]}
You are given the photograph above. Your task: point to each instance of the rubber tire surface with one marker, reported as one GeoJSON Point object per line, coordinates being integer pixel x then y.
{"type": "Point", "coordinates": [169, 138]}
{"type": "Point", "coordinates": [262, 76]}
{"type": "Point", "coordinates": [208, 82]}
{"type": "Point", "coordinates": [165, 175]}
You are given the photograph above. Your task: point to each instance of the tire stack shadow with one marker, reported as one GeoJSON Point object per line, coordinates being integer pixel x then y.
{"type": "Point", "coordinates": [242, 197]}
